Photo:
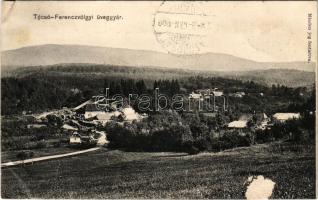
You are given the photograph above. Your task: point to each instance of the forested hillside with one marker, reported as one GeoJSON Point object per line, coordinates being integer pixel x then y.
{"type": "Point", "coordinates": [288, 77]}
{"type": "Point", "coordinates": [36, 89]}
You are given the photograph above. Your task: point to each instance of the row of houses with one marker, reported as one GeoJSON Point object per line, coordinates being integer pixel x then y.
{"type": "Point", "coordinates": [95, 111]}
{"type": "Point", "coordinates": [265, 121]}
{"type": "Point", "coordinates": [82, 121]}
{"type": "Point", "coordinates": [206, 93]}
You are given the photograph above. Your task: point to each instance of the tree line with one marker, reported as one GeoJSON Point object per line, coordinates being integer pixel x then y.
{"type": "Point", "coordinates": [39, 93]}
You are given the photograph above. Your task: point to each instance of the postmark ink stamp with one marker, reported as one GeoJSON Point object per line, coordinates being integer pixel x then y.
{"type": "Point", "coordinates": [181, 27]}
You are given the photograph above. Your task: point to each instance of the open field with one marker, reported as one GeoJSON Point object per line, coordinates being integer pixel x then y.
{"type": "Point", "coordinates": [9, 156]}
{"type": "Point", "coordinates": [117, 174]}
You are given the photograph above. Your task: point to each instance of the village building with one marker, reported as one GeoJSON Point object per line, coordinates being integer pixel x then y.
{"type": "Point", "coordinates": [283, 117]}
{"type": "Point", "coordinates": [97, 115]}
{"type": "Point", "coordinates": [217, 93]}
{"type": "Point", "coordinates": [265, 122]}
{"type": "Point", "coordinates": [75, 138]}
{"type": "Point", "coordinates": [203, 91]}
{"type": "Point", "coordinates": [237, 94]}
{"type": "Point", "coordinates": [36, 126]}
{"type": "Point", "coordinates": [206, 94]}
{"type": "Point", "coordinates": [209, 92]}
{"type": "Point", "coordinates": [69, 127]}
{"type": "Point", "coordinates": [238, 124]}
{"type": "Point", "coordinates": [195, 96]}
{"type": "Point", "coordinates": [92, 110]}
{"type": "Point", "coordinates": [261, 121]}
{"type": "Point", "coordinates": [106, 116]}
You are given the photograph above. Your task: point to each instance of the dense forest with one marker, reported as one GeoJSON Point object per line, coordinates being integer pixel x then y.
{"type": "Point", "coordinates": [288, 77]}
{"type": "Point", "coordinates": [40, 91]}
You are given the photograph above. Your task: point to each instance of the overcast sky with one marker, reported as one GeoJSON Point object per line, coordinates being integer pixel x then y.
{"type": "Point", "coordinates": [260, 31]}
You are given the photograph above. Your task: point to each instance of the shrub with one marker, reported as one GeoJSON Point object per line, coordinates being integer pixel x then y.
{"type": "Point", "coordinates": [232, 140]}
{"type": "Point", "coordinates": [56, 144]}
{"type": "Point", "coordinates": [171, 138]}
{"type": "Point", "coordinates": [41, 144]}
{"type": "Point", "coordinates": [128, 136]}
{"type": "Point", "coordinates": [263, 136]}
{"type": "Point", "coordinates": [191, 149]}
{"type": "Point", "coordinates": [24, 155]}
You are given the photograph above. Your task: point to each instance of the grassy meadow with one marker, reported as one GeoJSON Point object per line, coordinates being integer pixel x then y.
{"type": "Point", "coordinates": [117, 174]}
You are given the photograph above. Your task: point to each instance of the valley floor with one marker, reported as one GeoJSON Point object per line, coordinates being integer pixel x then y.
{"type": "Point", "coordinates": [118, 174]}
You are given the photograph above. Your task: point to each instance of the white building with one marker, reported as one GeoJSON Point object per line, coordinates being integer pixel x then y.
{"type": "Point", "coordinates": [195, 95]}
{"type": "Point", "coordinates": [69, 127]}
{"type": "Point", "coordinates": [239, 124]}
{"type": "Point", "coordinates": [217, 93]}
{"type": "Point", "coordinates": [75, 138]}
{"type": "Point", "coordinates": [282, 117]}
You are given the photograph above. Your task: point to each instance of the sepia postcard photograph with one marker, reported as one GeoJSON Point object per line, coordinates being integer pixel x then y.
{"type": "Point", "coordinates": [158, 99]}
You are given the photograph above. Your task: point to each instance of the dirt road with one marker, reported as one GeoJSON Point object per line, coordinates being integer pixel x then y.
{"type": "Point", "coordinates": [32, 160]}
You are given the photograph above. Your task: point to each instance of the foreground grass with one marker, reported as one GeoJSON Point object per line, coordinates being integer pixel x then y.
{"type": "Point", "coordinates": [117, 174]}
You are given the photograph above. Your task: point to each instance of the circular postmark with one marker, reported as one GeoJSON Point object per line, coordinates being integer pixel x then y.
{"type": "Point", "coordinates": [181, 27]}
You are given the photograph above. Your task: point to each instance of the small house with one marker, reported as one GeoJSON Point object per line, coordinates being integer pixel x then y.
{"type": "Point", "coordinates": [69, 127]}
{"type": "Point", "coordinates": [203, 91]}
{"type": "Point", "coordinates": [264, 123]}
{"type": "Point", "coordinates": [36, 126]}
{"type": "Point", "coordinates": [130, 114]}
{"type": "Point", "coordinates": [195, 95]}
{"type": "Point", "coordinates": [239, 124]}
{"type": "Point", "coordinates": [75, 138]}
{"type": "Point", "coordinates": [86, 139]}
{"type": "Point", "coordinates": [283, 117]}
{"type": "Point", "coordinates": [237, 94]}
{"type": "Point", "coordinates": [217, 93]}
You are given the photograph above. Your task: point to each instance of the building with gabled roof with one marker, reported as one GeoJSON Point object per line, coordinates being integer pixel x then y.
{"type": "Point", "coordinates": [283, 117]}
{"type": "Point", "coordinates": [239, 124]}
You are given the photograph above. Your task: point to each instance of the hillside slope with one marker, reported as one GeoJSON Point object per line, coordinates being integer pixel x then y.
{"type": "Point", "coordinates": [288, 77]}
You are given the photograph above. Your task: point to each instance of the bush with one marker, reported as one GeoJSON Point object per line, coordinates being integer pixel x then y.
{"type": "Point", "coordinates": [231, 140]}
{"type": "Point", "coordinates": [24, 155]}
{"type": "Point", "coordinates": [171, 138]}
{"type": "Point", "coordinates": [263, 136]}
{"type": "Point", "coordinates": [129, 136]}
{"type": "Point", "coordinates": [190, 148]}
{"type": "Point", "coordinates": [55, 120]}
{"type": "Point", "coordinates": [41, 144]}
{"type": "Point", "coordinates": [57, 144]}
{"type": "Point", "coordinates": [295, 130]}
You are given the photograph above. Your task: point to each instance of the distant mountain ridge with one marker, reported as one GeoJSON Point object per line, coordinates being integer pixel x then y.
{"type": "Point", "coordinates": [52, 54]}
{"type": "Point", "coordinates": [288, 77]}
